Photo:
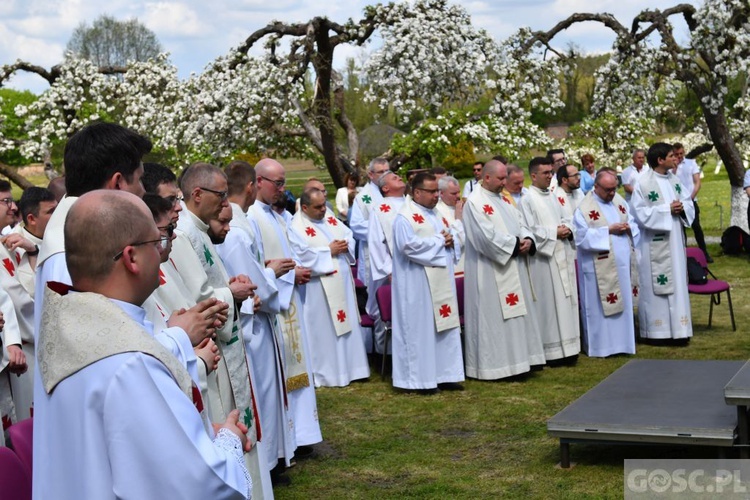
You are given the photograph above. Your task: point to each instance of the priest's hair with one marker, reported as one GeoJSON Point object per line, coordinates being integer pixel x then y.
{"type": "Point", "coordinates": [198, 175]}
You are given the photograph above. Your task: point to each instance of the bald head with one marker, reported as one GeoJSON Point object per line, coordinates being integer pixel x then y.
{"type": "Point", "coordinates": [491, 167]}
{"type": "Point", "coordinates": [57, 186]}
{"type": "Point", "coordinates": [99, 225]}
{"type": "Point", "coordinates": [271, 178]}
{"type": "Point", "coordinates": [268, 166]}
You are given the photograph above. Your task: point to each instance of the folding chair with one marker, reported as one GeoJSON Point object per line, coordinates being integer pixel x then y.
{"type": "Point", "coordinates": [22, 441]}
{"type": "Point", "coordinates": [713, 287]}
{"type": "Point", "coordinates": [383, 296]}
{"type": "Point", "coordinates": [15, 481]}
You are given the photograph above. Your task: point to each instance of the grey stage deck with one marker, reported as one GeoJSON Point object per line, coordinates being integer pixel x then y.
{"type": "Point", "coordinates": [737, 393]}
{"type": "Point", "coordinates": [653, 401]}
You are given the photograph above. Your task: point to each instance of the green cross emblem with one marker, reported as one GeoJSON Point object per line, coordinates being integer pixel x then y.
{"type": "Point", "coordinates": [678, 188]}
{"type": "Point", "coordinates": [207, 255]}
{"type": "Point", "coordinates": [247, 417]}
{"type": "Point", "coordinates": [661, 279]}
{"type": "Point", "coordinates": [653, 196]}
{"type": "Point", "coordinates": [366, 198]}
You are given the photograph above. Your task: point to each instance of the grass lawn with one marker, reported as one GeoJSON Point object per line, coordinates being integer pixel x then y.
{"type": "Point", "coordinates": [490, 441]}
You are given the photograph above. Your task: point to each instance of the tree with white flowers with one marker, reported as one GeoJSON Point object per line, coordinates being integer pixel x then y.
{"type": "Point", "coordinates": [649, 64]}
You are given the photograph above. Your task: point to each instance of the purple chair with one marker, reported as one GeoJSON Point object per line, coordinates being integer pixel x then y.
{"type": "Point", "coordinates": [15, 481]}
{"type": "Point", "coordinates": [383, 296]}
{"type": "Point", "coordinates": [22, 442]}
{"type": "Point", "coordinates": [460, 297]}
{"type": "Point", "coordinates": [713, 287]}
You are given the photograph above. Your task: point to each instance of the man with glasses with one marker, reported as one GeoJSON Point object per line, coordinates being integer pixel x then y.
{"type": "Point", "coordinates": [367, 200]}
{"type": "Point", "coordinates": [242, 253]}
{"type": "Point", "coordinates": [606, 235]}
{"type": "Point", "coordinates": [662, 206]}
{"type": "Point", "coordinates": [19, 254]}
{"type": "Point", "coordinates": [114, 392]}
{"type": "Point", "coordinates": [161, 181]}
{"type": "Point", "coordinates": [552, 269]}
{"type": "Point", "coordinates": [569, 195]}
{"type": "Point", "coordinates": [272, 235]}
{"type": "Point", "coordinates": [15, 333]}
{"type": "Point", "coordinates": [502, 326]}
{"type": "Point", "coordinates": [471, 184]}
{"type": "Point", "coordinates": [204, 187]}
{"type": "Point", "coordinates": [427, 353]}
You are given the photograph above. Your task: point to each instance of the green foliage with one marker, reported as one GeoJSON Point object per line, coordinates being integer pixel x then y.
{"type": "Point", "coordinates": [460, 159]}
{"type": "Point", "coordinates": [11, 125]}
{"type": "Point", "coordinates": [111, 42]}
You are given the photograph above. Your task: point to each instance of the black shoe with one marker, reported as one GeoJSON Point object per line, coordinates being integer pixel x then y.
{"type": "Point", "coordinates": [303, 452]}
{"type": "Point", "coordinates": [709, 259]}
{"type": "Point", "coordinates": [451, 386]}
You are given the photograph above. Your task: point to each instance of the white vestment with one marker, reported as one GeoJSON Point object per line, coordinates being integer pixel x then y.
{"type": "Point", "coordinates": [614, 334]}
{"type": "Point", "coordinates": [23, 303]}
{"type": "Point", "coordinates": [122, 428]}
{"type": "Point", "coordinates": [336, 359]}
{"type": "Point", "coordinates": [422, 357]}
{"type": "Point", "coordinates": [302, 401]}
{"type": "Point", "coordinates": [662, 316]}
{"type": "Point", "coordinates": [552, 275]}
{"type": "Point", "coordinates": [449, 214]}
{"type": "Point", "coordinates": [359, 216]}
{"type": "Point", "coordinates": [497, 347]}
{"type": "Point", "coordinates": [263, 343]}
{"type": "Point", "coordinates": [379, 248]}
{"type": "Point", "coordinates": [630, 177]}
{"type": "Point", "coordinates": [231, 385]}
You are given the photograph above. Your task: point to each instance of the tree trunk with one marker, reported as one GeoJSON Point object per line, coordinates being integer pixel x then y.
{"type": "Point", "coordinates": [725, 145]}
{"type": "Point", "coordinates": [739, 208]}
{"type": "Point", "coordinates": [322, 61]}
{"type": "Point", "coordinates": [16, 178]}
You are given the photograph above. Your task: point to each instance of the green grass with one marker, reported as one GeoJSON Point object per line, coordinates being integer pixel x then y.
{"type": "Point", "coordinates": [490, 441]}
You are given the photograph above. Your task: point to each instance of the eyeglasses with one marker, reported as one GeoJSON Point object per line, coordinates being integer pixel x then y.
{"type": "Point", "coordinates": [8, 201]}
{"type": "Point", "coordinates": [174, 200]}
{"type": "Point", "coordinates": [279, 183]}
{"type": "Point", "coordinates": [161, 245]}
{"type": "Point", "coordinates": [607, 190]}
{"type": "Point", "coordinates": [221, 194]}
{"type": "Point", "coordinates": [380, 173]}
{"type": "Point", "coordinates": [169, 228]}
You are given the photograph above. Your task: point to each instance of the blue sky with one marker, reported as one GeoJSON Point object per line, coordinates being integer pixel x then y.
{"type": "Point", "coordinates": [195, 32]}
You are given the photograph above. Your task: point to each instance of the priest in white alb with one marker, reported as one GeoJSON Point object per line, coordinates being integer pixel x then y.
{"type": "Point", "coordinates": [329, 303]}
{"type": "Point", "coordinates": [450, 207]}
{"type": "Point", "coordinates": [427, 351]}
{"type": "Point", "coordinates": [662, 206]}
{"type": "Point", "coordinates": [501, 328]}
{"type": "Point", "coordinates": [364, 203]}
{"type": "Point", "coordinates": [552, 268]}
{"type": "Point", "coordinates": [272, 238]}
{"type": "Point", "coordinates": [118, 415]}
{"type": "Point", "coordinates": [242, 254]}
{"type": "Point", "coordinates": [606, 235]}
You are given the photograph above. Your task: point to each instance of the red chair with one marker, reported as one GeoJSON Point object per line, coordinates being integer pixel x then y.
{"type": "Point", "coordinates": [22, 442]}
{"type": "Point", "coordinates": [15, 481]}
{"type": "Point", "coordinates": [383, 296]}
{"type": "Point", "coordinates": [713, 287]}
